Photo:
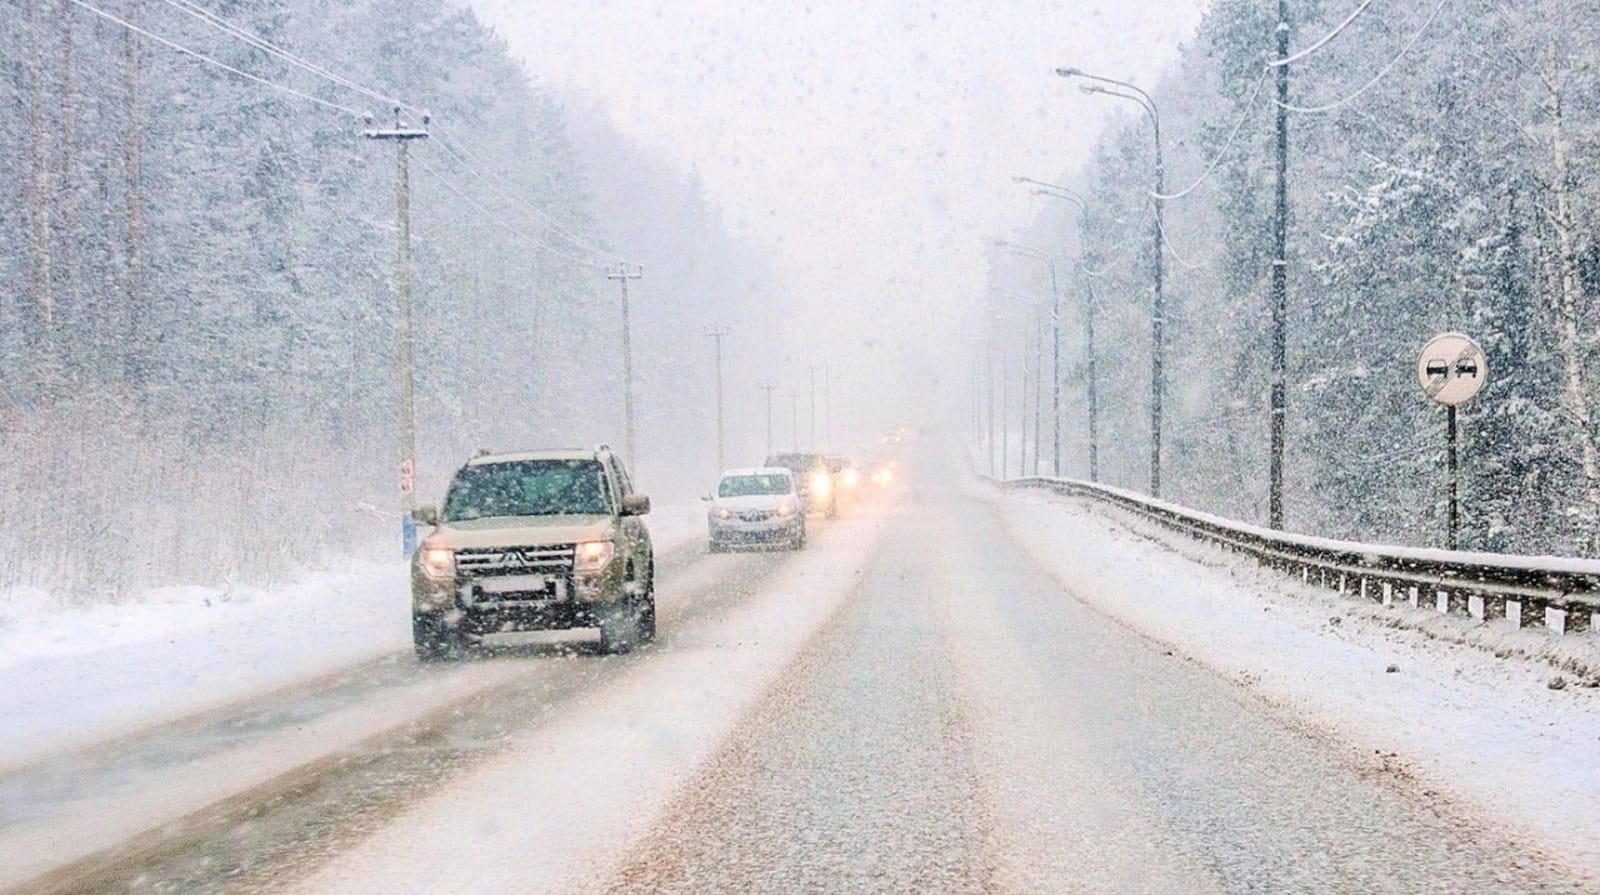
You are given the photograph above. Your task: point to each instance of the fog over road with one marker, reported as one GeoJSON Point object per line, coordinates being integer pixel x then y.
{"type": "Point", "coordinates": [910, 704]}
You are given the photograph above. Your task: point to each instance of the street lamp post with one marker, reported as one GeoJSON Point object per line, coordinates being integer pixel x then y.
{"type": "Point", "coordinates": [1055, 340]}
{"type": "Point", "coordinates": [1038, 371]}
{"type": "Point", "coordinates": [1057, 191]}
{"type": "Point", "coordinates": [1280, 282]}
{"type": "Point", "coordinates": [794, 419]}
{"type": "Point", "coordinates": [1157, 309]}
{"type": "Point", "coordinates": [813, 369]}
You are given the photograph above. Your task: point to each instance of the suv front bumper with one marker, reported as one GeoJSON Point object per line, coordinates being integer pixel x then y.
{"type": "Point", "coordinates": [566, 595]}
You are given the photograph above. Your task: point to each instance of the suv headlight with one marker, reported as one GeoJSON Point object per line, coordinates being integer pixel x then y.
{"type": "Point", "coordinates": [723, 513]}
{"type": "Point", "coordinates": [592, 556]}
{"type": "Point", "coordinates": [437, 562]}
{"type": "Point", "coordinates": [821, 484]}
{"type": "Point", "coordinates": [784, 508]}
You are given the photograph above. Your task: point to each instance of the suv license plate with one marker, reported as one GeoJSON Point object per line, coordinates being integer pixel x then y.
{"type": "Point", "coordinates": [510, 584]}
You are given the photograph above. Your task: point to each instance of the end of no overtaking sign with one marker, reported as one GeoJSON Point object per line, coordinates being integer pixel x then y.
{"type": "Point", "coordinates": [1452, 368]}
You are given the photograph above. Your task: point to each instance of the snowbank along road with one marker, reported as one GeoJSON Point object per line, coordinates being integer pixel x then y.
{"type": "Point", "coordinates": [916, 702]}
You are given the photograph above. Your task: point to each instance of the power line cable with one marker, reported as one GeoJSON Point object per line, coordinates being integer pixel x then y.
{"type": "Point", "coordinates": [216, 62]}
{"type": "Point", "coordinates": [461, 154]}
{"type": "Point", "coordinates": [1382, 73]}
{"type": "Point", "coordinates": [520, 233]}
{"type": "Point", "coordinates": [197, 11]}
{"type": "Point", "coordinates": [1244, 115]}
{"type": "Point", "coordinates": [1290, 60]}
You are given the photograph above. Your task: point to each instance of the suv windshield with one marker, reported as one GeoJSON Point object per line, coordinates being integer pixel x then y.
{"type": "Point", "coordinates": [799, 463]}
{"type": "Point", "coordinates": [528, 488]}
{"type": "Point", "coordinates": [744, 485]}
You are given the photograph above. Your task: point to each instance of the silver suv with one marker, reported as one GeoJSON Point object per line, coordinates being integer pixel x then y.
{"type": "Point", "coordinates": [541, 540]}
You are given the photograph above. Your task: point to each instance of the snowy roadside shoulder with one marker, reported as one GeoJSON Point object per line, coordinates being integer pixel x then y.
{"type": "Point", "coordinates": [1489, 725]}
{"type": "Point", "coordinates": [73, 675]}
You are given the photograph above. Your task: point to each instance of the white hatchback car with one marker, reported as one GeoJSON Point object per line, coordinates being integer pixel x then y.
{"type": "Point", "coordinates": [756, 506]}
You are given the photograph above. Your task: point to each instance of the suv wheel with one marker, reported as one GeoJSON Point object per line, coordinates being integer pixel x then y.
{"type": "Point", "coordinates": [435, 640]}
{"type": "Point", "coordinates": [619, 628]}
{"type": "Point", "coordinates": [646, 615]}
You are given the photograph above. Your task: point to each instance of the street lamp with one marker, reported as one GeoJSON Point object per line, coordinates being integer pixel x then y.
{"type": "Point", "coordinates": [1157, 310]}
{"type": "Point", "coordinates": [1055, 340]}
{"type": "Point", "coordinates": [1038, 370]}
{"type": "Point", "coordinates": [1057, 191]}
{"type": "Point", "coordinates": [996, 315]}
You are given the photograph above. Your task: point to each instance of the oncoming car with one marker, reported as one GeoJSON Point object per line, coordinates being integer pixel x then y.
{"type": "Point", "coordinates": [813, 480]}
{"type": "Point", "coordinates": [534, 541]}
{"type": "Point", "coordinates": [756, 506]}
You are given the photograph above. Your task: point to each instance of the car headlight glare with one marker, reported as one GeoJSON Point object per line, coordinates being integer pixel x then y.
{"type": "Point", "coordinates": [723, 513]}
{"type": "Point", "coordinates": [852, 478]}
{"type": "Point", "coordinates": [784, 508]}
{"type": "Point", "coordinates": [437, 562]}
{"type": "Point", "coordinates": [821, 484]}
{"type": "Point", "coordinates": [592, 556]}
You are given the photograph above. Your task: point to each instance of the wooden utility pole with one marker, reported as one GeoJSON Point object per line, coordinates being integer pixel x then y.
{"type": "Point", "coordinates": [622, 275]}
{"type": "Point", "coordinates": [768, 387]}
{"type": "Point", "coordinates": [402, 135]}
{"type": "Point", "coordinates": [717, 332]}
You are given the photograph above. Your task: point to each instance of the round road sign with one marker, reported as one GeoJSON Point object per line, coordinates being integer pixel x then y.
{"type": "Point", "coordinates": [1452, 368]}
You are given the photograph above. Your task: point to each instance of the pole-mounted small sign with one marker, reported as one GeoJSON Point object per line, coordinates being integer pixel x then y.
{"type": "Point", "coordinates": [1452, 368]}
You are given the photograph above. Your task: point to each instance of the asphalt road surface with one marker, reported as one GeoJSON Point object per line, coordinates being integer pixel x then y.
{"type": "Point", "coordinates": [908, 705]}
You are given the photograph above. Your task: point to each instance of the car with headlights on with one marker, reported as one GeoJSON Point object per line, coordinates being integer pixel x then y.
{"type": "Point", "coordinates": [756, 506]}
{"type": "Point", "coordinates": [846, 476]}
{"type": "Point", "coordinates": [534, 541]}
{"type": "Point", "coordinates": [813, 479]}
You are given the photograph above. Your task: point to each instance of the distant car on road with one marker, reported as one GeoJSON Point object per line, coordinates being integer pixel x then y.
{"type": "Point", "coordinates": [756, 506]}
{"type": "Point", "coordinates": [813, 479]}
{"type": "Point", "coordinates": [883, 473]}
{"type": "Point", "coordinates": [846, 476]}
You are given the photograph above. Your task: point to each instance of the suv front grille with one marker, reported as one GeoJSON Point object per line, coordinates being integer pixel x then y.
{"type": "Point", "coordinates": [555, 559]}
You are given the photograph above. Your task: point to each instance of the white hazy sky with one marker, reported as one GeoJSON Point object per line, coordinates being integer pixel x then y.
{"type": "Point", "coordinates": [869, 147]}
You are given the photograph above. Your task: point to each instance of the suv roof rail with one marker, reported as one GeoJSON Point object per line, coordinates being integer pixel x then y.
{"type": "Point", "coordinates": [602, 448]}
{"type": "Point", "coordinates": [481, 452]}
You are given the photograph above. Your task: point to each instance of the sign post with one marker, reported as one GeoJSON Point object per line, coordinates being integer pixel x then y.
{"type": "Point", "coordinates": [1452, 369]}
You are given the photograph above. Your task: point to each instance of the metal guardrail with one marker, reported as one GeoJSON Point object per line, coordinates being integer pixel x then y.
{"type": "Point", "coordinates": [1558, 593]}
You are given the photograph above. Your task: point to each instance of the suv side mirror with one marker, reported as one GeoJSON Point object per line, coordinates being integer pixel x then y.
{"type": "Point", "coordinates": [635, 505]}
{"type": "Point", "coordinates": [427, 514]}
{"type": "Point", "coordinates": [707, 498]}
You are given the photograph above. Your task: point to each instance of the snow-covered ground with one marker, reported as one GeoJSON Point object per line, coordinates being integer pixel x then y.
{"type": "Point", "coordinates": [71, 675]}
{"type": "Point", "coordinates": [1483, 724]}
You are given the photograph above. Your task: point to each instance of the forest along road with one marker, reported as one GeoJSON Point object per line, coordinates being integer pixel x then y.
{"type": "Point", "coordinates": [107, 814]}
{"type": "Point", "coordinates": [909, 705]}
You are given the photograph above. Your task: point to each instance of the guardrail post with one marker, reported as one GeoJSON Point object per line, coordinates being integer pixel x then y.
{"type": "Point", "coordinates": [1555, 619]}
{"type": "Point", "coordinates": [1579, 619]}
{"type": "Point", "coordinates": [1514, 613]}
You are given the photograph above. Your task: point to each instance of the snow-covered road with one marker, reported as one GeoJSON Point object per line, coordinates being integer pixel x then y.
{"type": "Point", "coordinates": [929, 698]}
